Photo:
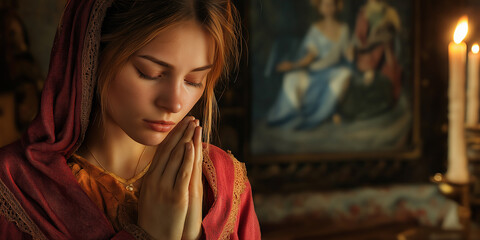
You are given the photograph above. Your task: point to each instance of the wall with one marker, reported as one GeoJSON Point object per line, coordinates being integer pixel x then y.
{"type": "Point", "coordinates": [41, 18]}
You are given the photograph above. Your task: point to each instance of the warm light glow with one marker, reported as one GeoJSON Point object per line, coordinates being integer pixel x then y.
{"type": "Point", "coordinates": [461, 30]}
{"type": "Point", "coordinates": [475, 48]}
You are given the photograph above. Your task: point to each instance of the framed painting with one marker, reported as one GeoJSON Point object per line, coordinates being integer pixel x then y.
{"type": "Point", "coordinates": [333, 79]}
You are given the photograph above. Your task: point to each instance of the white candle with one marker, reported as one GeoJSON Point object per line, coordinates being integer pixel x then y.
{"type": "Point", "coordinates": [457, 158]}
{"type": "Point", "coordinates": [472, 86]}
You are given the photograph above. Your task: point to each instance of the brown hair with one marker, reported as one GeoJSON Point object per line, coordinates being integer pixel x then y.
{"type": "Point", "coordinates": [131, 24]}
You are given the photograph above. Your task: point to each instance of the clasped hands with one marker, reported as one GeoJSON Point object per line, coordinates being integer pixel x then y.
{"type": "Point", "coordinates": [170, 202]}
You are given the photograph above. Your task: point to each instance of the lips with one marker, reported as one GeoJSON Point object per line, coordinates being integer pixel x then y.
{"type": "Point", "coordinates": [160, 126]}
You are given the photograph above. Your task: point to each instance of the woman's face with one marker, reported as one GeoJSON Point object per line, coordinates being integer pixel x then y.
{"type": "Point", "coordinates": [327, 8]}
{"type": "Point", "coordinates": [161, 83]}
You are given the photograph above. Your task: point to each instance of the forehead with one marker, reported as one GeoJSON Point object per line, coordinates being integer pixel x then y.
{"type": "Point", "coordinates": [184, 43]}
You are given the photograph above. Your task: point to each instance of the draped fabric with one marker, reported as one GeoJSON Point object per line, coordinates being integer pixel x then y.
{"type": "Point", "coordinates": [40, 198]}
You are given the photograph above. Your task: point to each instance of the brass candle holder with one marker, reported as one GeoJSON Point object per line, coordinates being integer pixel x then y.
{"type": "Point", "coordinates": [466, 195]}
{"type": "Point", "coordinates": [460, 193]}
{"type": "Point", "coordinates": [472, 136]}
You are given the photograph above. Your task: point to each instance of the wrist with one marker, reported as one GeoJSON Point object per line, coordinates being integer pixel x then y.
{"type": "Point", "coordinates": [200, 235]}
{"type": "Point", "coordinates": [138, 232]}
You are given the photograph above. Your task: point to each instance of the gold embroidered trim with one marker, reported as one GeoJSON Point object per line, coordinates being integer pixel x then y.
{"type": "Point", "coordinates": [209, 171]}
{"type": "Point", "coordinates": [14, 212]}
{"type": "Point", "coordinates": [238, 188]}
{"type": "Point", "coordinates": [90, 53]}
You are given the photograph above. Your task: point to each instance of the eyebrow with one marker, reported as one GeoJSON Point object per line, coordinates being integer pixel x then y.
{"type": "Point", "coordinates": [164, 64]}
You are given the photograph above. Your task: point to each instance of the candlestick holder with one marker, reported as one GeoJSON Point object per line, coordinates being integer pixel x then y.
{"type": "Point", "coordinates": [472, 137]}
{"type": "Point", "coordinates": [458, 192]}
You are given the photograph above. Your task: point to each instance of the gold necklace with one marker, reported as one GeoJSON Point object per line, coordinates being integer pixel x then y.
{"type": "Point", "coordinates": [128, 182]}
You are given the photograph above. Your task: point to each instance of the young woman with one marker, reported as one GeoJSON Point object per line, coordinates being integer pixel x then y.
{"type": "Point", "coordinates": [115, 152]}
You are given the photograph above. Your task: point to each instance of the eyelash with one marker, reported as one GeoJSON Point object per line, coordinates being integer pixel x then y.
{"type": "Point", "coordinates": [197, 85]}
{"type": "Point", "coordinates": [148, 77]}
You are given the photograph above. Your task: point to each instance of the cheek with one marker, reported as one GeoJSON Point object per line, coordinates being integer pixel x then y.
{"type": "Point", "coordinates": [126, 93]}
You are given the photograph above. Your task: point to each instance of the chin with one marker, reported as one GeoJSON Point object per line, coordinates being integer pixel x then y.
{"type": "Point", "coordinates": [150, 139]}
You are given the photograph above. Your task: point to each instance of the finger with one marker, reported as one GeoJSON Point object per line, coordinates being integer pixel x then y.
{"type": "Point", "coordinates": [193, 220]}
{"type": "Point", "coordinates": [185, 172]}
{"type": "Point", "coordinates": [176, 158]}
{"type": "Point", "coordinates": [188, 134]}
{"type": "Point", "coordinates": [176, 134]}
{"type": "Point", "coordinates": [197, 142]}
{"type": "Point", "coordinates": [163, 152]}
{"type": "Point", "coordinates": [196, 187]}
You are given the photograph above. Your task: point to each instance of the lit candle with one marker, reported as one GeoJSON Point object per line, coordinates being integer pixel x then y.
{"type": "Point", "coordinates": [457, 158]}
{"type": "Point", "coordinates": [472, 90]}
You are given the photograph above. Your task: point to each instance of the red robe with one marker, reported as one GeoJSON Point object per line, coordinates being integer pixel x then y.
{"type": "Point", "coordinates": [39, 196]}
{"type": "Point", "coordinates": [376, 57]}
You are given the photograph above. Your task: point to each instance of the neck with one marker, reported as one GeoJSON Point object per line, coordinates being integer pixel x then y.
{"type": "Point", "coordinates": [114, 149]}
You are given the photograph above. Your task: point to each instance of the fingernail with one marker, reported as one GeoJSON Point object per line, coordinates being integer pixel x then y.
{"type": "Point", "coordinates": [197, 122]}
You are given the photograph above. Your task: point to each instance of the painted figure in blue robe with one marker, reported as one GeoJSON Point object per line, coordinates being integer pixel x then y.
{"type": "Point", "coordinates": [313, 84]}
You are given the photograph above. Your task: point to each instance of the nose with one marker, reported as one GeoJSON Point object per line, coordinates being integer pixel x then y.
{"type": "Point", "coordinates": [170, 97]}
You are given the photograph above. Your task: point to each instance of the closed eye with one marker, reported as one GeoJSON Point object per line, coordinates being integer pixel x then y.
{"type": "Point", "coordinates": [194, 84]}
{"type": "Point", "coordinates": [144, 76]}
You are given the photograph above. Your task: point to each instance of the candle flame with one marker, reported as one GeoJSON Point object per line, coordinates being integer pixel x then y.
{"type": "Point", "coordinates": [475, 48]}
{"type": "Point", "coordinates": [461, 30]}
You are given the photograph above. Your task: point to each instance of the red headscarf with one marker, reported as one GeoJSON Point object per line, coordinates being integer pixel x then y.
{"type": "Point", "coordinates": [57, 204]}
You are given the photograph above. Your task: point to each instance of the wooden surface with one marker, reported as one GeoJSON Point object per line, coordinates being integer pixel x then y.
{"type": "Point", "coordinates": [424, 233]}
{"type": "Point", "coordinates": [368, 230]}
